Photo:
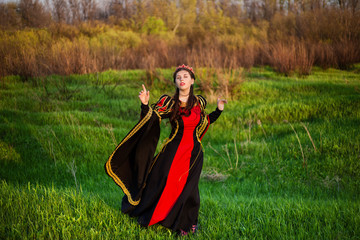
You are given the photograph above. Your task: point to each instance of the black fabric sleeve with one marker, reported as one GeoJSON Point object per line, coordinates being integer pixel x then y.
{"type": "Point", "coordinates": [130, 162]}
{"type": "Point", "coordinates": [144, 110]}
{"type": "Point", "coordinates": [214, 115]}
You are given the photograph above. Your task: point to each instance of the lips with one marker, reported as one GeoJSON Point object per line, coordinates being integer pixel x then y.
{"type": "Point", "coordinates": [182, 84]}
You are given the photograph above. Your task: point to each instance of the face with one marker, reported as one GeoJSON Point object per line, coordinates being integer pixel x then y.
{"type": "Point", "coordinates": [183, 80]}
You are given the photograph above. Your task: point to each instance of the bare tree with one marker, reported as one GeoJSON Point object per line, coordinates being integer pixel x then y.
{"type": "Point", "coordinates": [60, 11]}
{"type": "Point", "coordinates": [9, 18]}
{"type": "Point", "coordinates": [74, 6]}
{"type": "Point", "coordinates": [268, 8]}
{"type": "Point", "coordinates": [33, 14]}
{"type": "Point", "coordinates": [252, 10]}
{"type": "Point", "coordinates": [88, 9]}
{"type": "Point", "coordinates": [352, 5]}
{"type": "Point", "coordinates": [117, 8]}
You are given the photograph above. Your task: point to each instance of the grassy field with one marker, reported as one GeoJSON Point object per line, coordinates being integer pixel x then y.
{"type": "Point", "coordinates": [282, 162]}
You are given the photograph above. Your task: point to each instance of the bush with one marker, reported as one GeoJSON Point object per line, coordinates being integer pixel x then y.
{"type": "Point", "coordinates": [288, 58]}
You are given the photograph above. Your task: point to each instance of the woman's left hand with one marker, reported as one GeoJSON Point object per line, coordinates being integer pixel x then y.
{"type": "Point", "coordinates": [221, 103]}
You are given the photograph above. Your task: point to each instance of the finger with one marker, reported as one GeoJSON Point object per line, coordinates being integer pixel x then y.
{"type": "Point", "coordinates": [144, 89]}
{"type": "Point", "coordinates": [147, 93]}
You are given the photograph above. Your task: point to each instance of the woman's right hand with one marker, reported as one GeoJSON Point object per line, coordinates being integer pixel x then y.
{"type": "Point", "coordinates": [144, 95]}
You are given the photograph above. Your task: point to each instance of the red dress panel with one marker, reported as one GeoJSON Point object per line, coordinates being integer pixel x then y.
{"type": "Point", "coordinates": [179, 169]}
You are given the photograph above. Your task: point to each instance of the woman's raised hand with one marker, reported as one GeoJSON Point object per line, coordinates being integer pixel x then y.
{"type": "Point", "coordinates": [144, 95]}
{"type": "Point", "coordinates": [221, 103]}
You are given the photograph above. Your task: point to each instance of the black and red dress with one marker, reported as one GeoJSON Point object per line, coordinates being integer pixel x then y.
{"type": "Point", "coordinates": [162, 189]}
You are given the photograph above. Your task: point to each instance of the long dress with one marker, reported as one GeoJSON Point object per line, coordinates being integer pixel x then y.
{"type": "Point", "coordinates": [162, 189]}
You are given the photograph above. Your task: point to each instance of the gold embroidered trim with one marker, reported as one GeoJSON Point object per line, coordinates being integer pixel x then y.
{"type": "Point", "coordinates": [201, 128]}
{"type": "Point", "coordinates": [204, 125]}
{"type": "Point", "coordinates": [202, 102]}
{"type": "Point", "coordinates": [173, 136]}
{"type": "Point", "coordinates": [108, 163]}
{"type": "Point", "coordinates": [191, 164]}
{"type": "Point", "coordinates": [166, 106]}
{"type": "Point", "coordinates": [157, 113]}
{"type": "Point", "coordinates": [165, 144]}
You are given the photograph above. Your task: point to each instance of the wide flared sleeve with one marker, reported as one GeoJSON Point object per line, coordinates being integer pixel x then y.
{"type": "Point", "coordinates": [130, 162]}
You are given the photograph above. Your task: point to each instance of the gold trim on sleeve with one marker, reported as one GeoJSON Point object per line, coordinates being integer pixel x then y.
{"type": "Point", "coordinates": [108, 163]}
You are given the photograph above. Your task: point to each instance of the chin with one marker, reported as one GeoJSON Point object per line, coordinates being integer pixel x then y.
{"type": "Point", "coordinates": [184, 87]}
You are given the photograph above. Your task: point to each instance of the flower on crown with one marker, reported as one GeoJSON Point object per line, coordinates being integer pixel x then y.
{"type": "Point", "coordinates": [186, 67]}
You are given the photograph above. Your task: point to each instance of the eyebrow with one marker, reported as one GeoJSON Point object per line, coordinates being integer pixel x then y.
{"type": "Point", "coordinates": [185, 74]}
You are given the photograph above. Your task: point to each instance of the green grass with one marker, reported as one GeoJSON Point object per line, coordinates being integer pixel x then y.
{"type": "Point", "coordinates": [286, 150]}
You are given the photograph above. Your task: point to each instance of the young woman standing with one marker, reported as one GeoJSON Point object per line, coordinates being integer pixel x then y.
{"type": "Point", "coordinates": [164, 189]}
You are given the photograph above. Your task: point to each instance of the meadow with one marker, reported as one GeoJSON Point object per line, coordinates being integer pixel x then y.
{"type": "Point", "coordinates": [282, 161]}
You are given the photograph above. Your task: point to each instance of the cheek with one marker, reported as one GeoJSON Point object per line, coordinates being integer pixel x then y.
{"type": "Point", "coordinates": [177, 83]}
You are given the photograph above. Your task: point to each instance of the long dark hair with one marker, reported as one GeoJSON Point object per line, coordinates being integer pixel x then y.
{"type": "Point", "coordinates": [192, 100]}
{"type": "Point", "coordinates": [176, 113]}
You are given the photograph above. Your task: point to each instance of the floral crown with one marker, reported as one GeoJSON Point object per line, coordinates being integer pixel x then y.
{"type": "Point", "coordinates": [186, 67]}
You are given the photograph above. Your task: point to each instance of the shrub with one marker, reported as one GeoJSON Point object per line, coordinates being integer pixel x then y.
{"type": "Point", "coordinates": [215, 82]}
{"type": "Point", "coordinates": [153, 26]}
{"type": "Point", "coordinates": [282, 57]}
{"type": "Point", "coordinates": [304, 59]}
{"type": "Point", "coordinates": [347, 53]}
{"type": "Point", "coordinates": [288, 58]}
{"type": "Point", "coordinates": [324, 55]}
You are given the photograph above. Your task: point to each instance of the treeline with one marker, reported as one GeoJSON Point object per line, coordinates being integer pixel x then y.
{"type": "Point", "coordinates": [80, 36]}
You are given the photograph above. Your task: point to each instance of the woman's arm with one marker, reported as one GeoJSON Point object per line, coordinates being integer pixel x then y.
{"type": "Point", "coordinates": [220, 107]}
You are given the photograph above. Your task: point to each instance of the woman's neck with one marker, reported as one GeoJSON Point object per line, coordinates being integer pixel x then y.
{"type": "Point", "coordinates": [183, 98]}
{"type": "Point", "coordinates": [184, 93]}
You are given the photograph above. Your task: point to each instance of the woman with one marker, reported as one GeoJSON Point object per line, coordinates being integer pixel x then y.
{"type": "Point", "coordinates": [164, 189]}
